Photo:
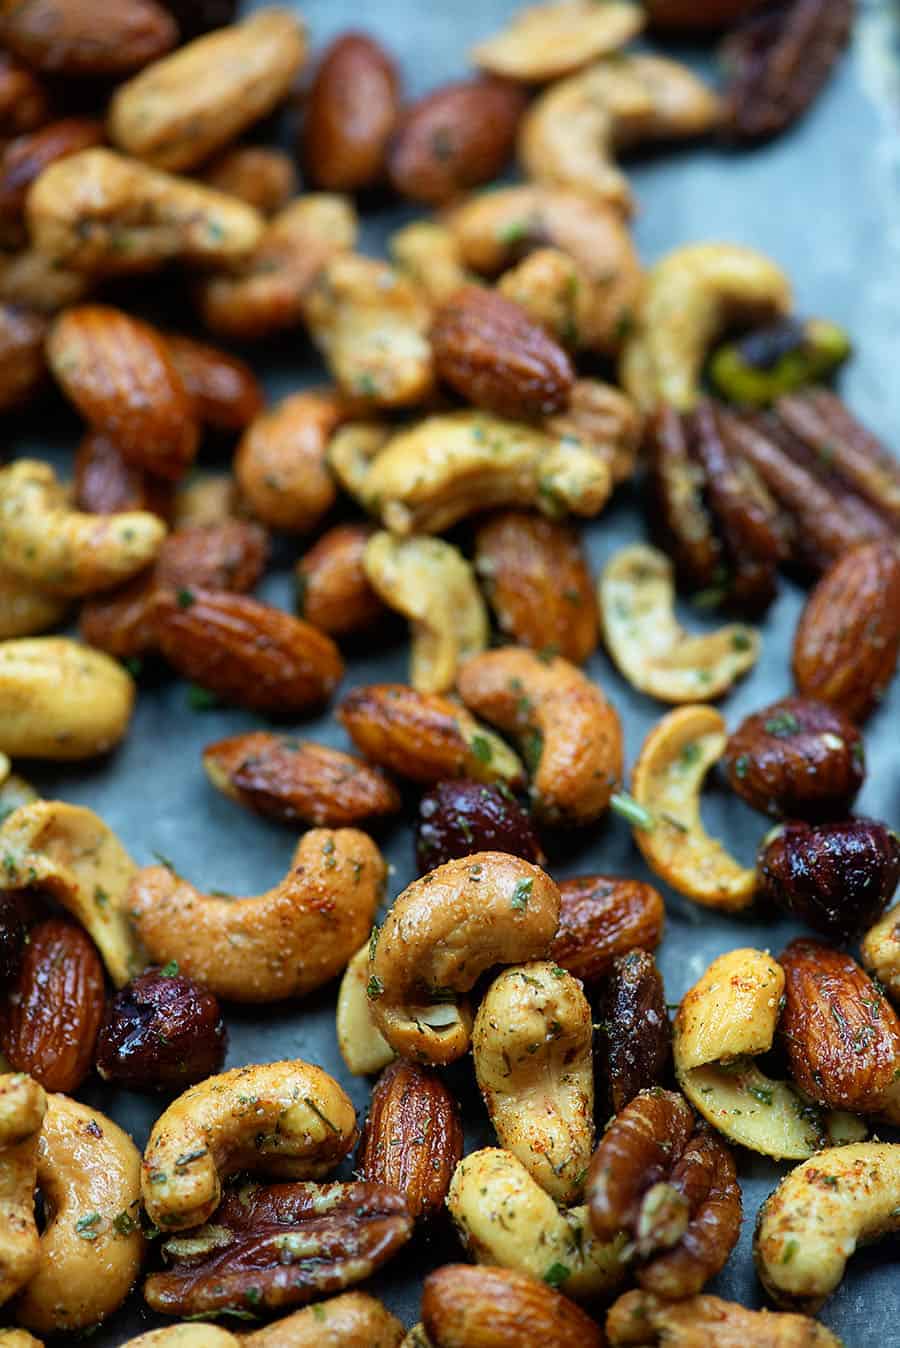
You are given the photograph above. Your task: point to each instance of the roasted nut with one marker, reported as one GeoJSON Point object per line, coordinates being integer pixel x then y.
{"type": "Point", "coordinates": [105, 482]}
{"type": "Point", "coordinates": [22, 159]}
{"type": "Point", "coordinates": [183, 1336]}
{"type": "Point", "coordinates": [295, 780]}
{"type": "Point", "coordinates": [604, 420]}
{"type": "Point", "coordinates": [601, 918]}
{"type": "Point", "coordinates": [77, 37]}
{"type": "Point", "coordinates": [54, 1008]}
{"type": "Point", "coordinates": [261, 175]}
{"type": "Point", "coordinates": [121, 622]}
{"type": "Point", "coordinates": [25, 611]}
{"type": "Point", "coordinates": [679, 513]}
{"type": "Point", "coordinates": [206, 498]}
{"type": "Point", "coordinates": [22, 1106]}
{"type": "Point", "coordinates": [425, 737]}
{"type": "Point", "coordinates": [764, 365]}
{"type": "Point", "coordinates": [413, 1139]}
{"type": "Point", "coordinates": [333, 590]}
{"type": "Point", "coordinates": [182, 109]}
{"type": "Point", "coordinates": [281, 466]}
{"type": "Point", "coordinates": [531, 1046]}
{"type": "Point", "coordinates": [351, 111]}
{"type": "Point", "coordinates": [354, 1315]}
{"type": "Point", "coordinates": [643, 1320]}
{"type": "Point", "coordinates": [288, 1119]}
{"type": "Point", "coordinates": [61, 700]}
{"type": "Point", "coordinates": [570, 735]}
{"type": "Point", "coordinates": [428, 253]}
{"type": "Point", "coordinates": [363, 1048]}
{"type": "Point", "coordinates": [23, 366]}
{"type": "Point", "coordinates": [457, 818]}
{"type": "Point", "coordinates": [637, 1039]}
{"type": "Point", "coordinates": [545, 41]}
{"type": "Point", "coordinates": [812, 1223]}
{"type": "Point", "coordinates": [440, 935]}
{"type": "Point", "coordinates": [31, 280]}
{"type": "Point", "coordinates": [24, 105]}
{"type": "Point", "coordinates": [223, 389]}
{"type": "Point", "coordinates": [880, 952]}
{"type": "Point", "coordinates": [465, 1307]}
{"type": "Point", "coordinates": [554, 291]}
{"type": "Point", "coordinates": [848, 636]}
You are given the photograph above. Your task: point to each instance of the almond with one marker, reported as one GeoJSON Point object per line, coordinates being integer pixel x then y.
{"type": "Point", "coordinates": [27, 156]}
{"type": "Point", "coordinates": [24, 105]}
{"type": "Point", "coordinates": [333, 590]}
{"type": "Point", "coordinates": [224, 390]}
{"type": "Point", "coordinates": [87, 37]}
{"type": "Point", "coordinates": [259, 175]}
{"type": "Point", "coordinates": [105, 482]}
{"type": "Point", "coordinates": [352, 109]}
{"type": "Point", "coordinates": [481, 1307]}
{"type": "Point", "coordinates": [281, 466]}
{"type": "Point", "coordinates": [22, 364]}
{"type": "Point", "coordinates": [489, 350]}
{"type": "Point", "coordinates": [602, 917]}
{"type": "Point", "coordinates": [55, 1005]}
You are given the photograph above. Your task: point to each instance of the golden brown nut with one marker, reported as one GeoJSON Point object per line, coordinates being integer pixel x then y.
{"type": "Point", "coordinates": [23, 366]}
{"type": "Point", "coordinates": [333, 590]}
{"type": "Point", "coordinates": [602, 917]}
{"type": "Point", "coordinates": [429, 255]}
{"type": "Point", "coordinates": [464, 1307]}
{"type": "Point", "coordinates": [351, 111]}
{"type": "Point", "coordinates": [60, 700]}
{"type": "Point", "coordinates": [642, 1320]}
{"type": "Point", "coordinates": [223, 389]}
{"type": "Point", "coordinates": [281, 465]}
{"type": "Point", "coordinates": [604, 420]}
{"type": "Point", "coordinates": [22, 1108]}
{"type": "Point", "coordinates": [206, 498]}
{"type": "Point", "coordinates": [104, 482]}
{"type": "Point", "coordinates": [880, 951]}
{"type": "Point", "coordinates": [353, 1318]}
{"type": "Point", "coordinates": [363, 1047]}
{"type": "Point", "coordinates": [26, 611]}
{"type": "Point", "coordinates": [23, 159]}
{"type": "Point", "coordinates": [544, 41]}
{"type": "Point", "coordinates": [260, 175]}
{"type": "Point", "coordinates": [77, 37]}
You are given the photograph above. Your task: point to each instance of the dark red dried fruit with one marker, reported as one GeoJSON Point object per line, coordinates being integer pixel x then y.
{"type": "Point", "coordinates": [458, 818]}
{"type": "Point", "coordinates": [162, 1032]}
{"type": "Point", "coordinates": [636, 1032]}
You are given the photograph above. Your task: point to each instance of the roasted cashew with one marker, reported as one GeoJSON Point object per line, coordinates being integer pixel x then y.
{"type": "Point", "coordinates": [363, 1048]}
{"type": "Point", "coordinates": [505, 1218]}
{"type": "Point", "coordinates": [880, 951]}
{"type": "Point", "coordinates": [61, 700]}
{"type": "Point", "coordinates": [545, 41]}
{"type": "Point", "coordinates": [92, 1245]}
{"type": "Point", "coordinates": [430, 582]}
{"type": "Point", "coordinates": [283, 943]}
{"type": "Point", "coordinates": [812, 1223]}
{"type": "Point", "coordinates": [723, 1022]}
{"type": "Point", "coordinates": [428, 253]}
{"type": "Point", "coordinates": [22, 1106]}
{"type": "Point", "coordinates": [287, 1119]}
{"type": "Point", "coordinates": [18, 1338]}
{"type": "Point", "coordinates": [24, 610]}
{"type": "Point", "coordinates": [68, 552]}
{"type": "Point", "coordinates": [689, 297]}
{"type": "Point", "coordinates": [666, 781]}
{"type": "Point", "coordinates": [68, 852]}
{"type": "Point", "coordinates": [570, 735]}
{"type": "Point", "coordinates": [532, 1046]}
{"type": "Point", "coordinates": [441, 934]}
{"type": "Point", "coordinates": [643, 1320]}
{"type": "Point", "coordinates": [351, 453]}
{"type": "Point", "coordinates": [650, 647]}
{"type": "Point", "coordinates": [352, 1320]}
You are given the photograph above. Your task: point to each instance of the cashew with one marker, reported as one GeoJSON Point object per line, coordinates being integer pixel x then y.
{"type": "Point", "coordinates": [61, 700]}
{"type": "Point", "coordinates": [689, 298]}
{"type": "Point", "coordinates": [22, 1106]}
{"type": "Point", "coordinates": [725, 1020]}
{"type": "Point", "coordinates": [505, 1218]}
{"type": "Point", "coordinates": [532, 1046]}
{"type": "Point", "coordinates": [571, 132]}
{"type": "Point", "coordinates": [440, 935]}
{"type": "Point", "coordinates": [812, 1223]}
{"type": "Point", "coordinates": [68, 852]}
{"type": "Point", "coordinates": [880, 950]}
{"type": "Point", "coordinates": [643, 1320]}
{"type": "Point", "coordinates": [363, 1048]}
{"type": "Point", "coordinates": [24, 610]}
{"type": "Point", "coordinates": [353, 1320]}
{"type": "Point", "coordinates": [283, 943]}
{"type": "Point", "coordinates": [287, 1119]}
{"type": "Point", "coordinates": [570, 735]}
{"type": "Point", "coordinates": [208, 498]}
{"type": "Point", "coordinates": [431, 583]}
{"type": "Point", "coordinates": [650, 647]}
{"type": "Point", "coordinates": [68, 552]}
{"type": "Point", "coordinates": [18, 1338]}
{"type": "Point", "coordinates": [429, 255]}
{"type": "Point", "coordinates": [666, 781]}
{"type": "Point", "coordinates": [545, 41]}
{"type": "Point", "coordinates": [604, 420]}
{"type": "Point", "coordinates": [92, 1246]}
{"type": "Point", "coordinates": [559, 295]}
{"type": "Point", "coordinates": [351, 452]}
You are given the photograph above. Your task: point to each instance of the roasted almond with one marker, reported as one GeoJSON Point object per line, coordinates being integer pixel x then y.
{"type": "Point", "coordinates": [281, 466]}
{"type": "Point", "coordinates": [22, 365]}
{"type": "Point", "coordinates": [482, 1307]}
{"type": "Point", "coordinates": [351, 112]}
{"type": "Point", "coordinates": [637, 1038]}
{"type": "Point", "coordinates": [260, 175]}
{"type": "Point", "coordinates": [24, 105]}
{"type": "Point", "coordinates": [105, 482]}
{"type": "Point", "coordinates": [224, 390]}
{"type": "Point", "coordinates": [87, 37]}
{"type": "Point", "coordinates": [333, 590]}
{"type": "Point", "coordinates": [28, 155]}
{"type": "Point", "coordinates": [602, 917]}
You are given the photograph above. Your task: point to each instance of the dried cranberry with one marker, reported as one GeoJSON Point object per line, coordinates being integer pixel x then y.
{"type": "Point", "coordinates": [12, 938]}
{"type": "Point", "coordinates": [458, 818]}
{"type": "Point", "coordinates": [162, 1032]}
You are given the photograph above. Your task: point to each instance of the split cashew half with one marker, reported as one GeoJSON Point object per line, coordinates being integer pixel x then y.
{"type": "Point", "coordinates": [532, 1046]}
{"type": "Point", "coordinates": [26, 611]}
{"type": "Point", "coordinates": [61, 700]}
{"type": "Point", "coordinates": [283, 943]}
{"type": "Point", "coordinates": [287, 1119]}
{"type": "Point", "coordinates": [650, 647]}
{"type": "Point", "coordinates": [22, 1106]}
{"type": "Point", "coordinates": [441, 934]}
{"type": "Point", "coordinates": [363, 1048]}
{"type": "Point", "coordinates": [689, 298]}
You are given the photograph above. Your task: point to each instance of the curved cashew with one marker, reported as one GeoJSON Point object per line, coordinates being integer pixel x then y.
{"type": "Point", "coordinates": [725, 1020]}
{"type": "Point", "coordinates": [24, 610]}
{"type": "Point", "coordinates": [428, 254]}
{"type": "Point", "coordinates": [505, 1218]}
{"type": "Point", "coordinates": [532, 1045]}
{"type": "Point", "coordinates": [441, 934]}
{"type": "Point", "coordinates": [363, 1048]}
{"type": "Point", "coordinates": [63, 551]}
{"type": "Point", "coordinates": [650, 647]}
{"type": "Point", "coordinates": [545, 41]}
{"type": "Point", "coordinates": [60, 699]}
{"type": "Point", "coordinates": [430, 582]}
{"type": "Point", "coordinates": [22, 1106]}
{"type": "Point", "coordinates": [92, 1246]}
{"type": "Point", "coordinates": [288, 1119]}
{"type": "Point", "coordinates": [666, 780]}
{"type": "Point", "coordinates": [351, 452]}
{"type": "Point", "coordinates": [285, 942]}
{"type": "Point", "coordinates": [812, 1223]}
{"type": "Point", "coordinates": [571, 736]}
{"type": "Point", "coordinates": [690, 296]}
{"type": "Point", "coordinates": [880, 950]}
{"type": "Point", "coordinates": [643, 1320]}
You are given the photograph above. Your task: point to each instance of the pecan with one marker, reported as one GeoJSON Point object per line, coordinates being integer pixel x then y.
{"type": "Point", "coordinates": [602, 917]}
{"type": "Point", "coordinates": [333, 590]}
{"type": "Point", "coordinates": [465, 1307]}
{"type": "Point", "coordinates": [84, 37]}
{"type": "Point", "coordinates": [679, 515]}
{"type": "Point", "coordinates": [27, 156]}
{"type": "Point", "coordinates": [641, 1320]}
{"type": "Point", "coordinates": [224, 390]}
{"type": "Point", "coordinates": [22, 365]}
{"type": "Point", "coordinates": [279, 1245]}
{"type": "Point", "coordinates": [105, 482]}
{"type": "Point", "coordinates": [351, 111]}
{"type": "Point", "coordinates": [636, 1032]}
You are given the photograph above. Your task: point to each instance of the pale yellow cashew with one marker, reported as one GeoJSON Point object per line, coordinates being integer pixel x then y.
{"type": "Point", "coordinates": [22, 1106]}
{"type": "Point", "coordinates": [18, 1338]}
{"type": "Point", "coordinates": [61, 700]}
{"type": "Point", "coordinates": [287, 1119]}
{"type": "Point", "coordinates": [24, 610]}
{"type": "Point", "coordinates": [545, 41]}
{"type": "Point", "coordinates": [429, 254]}
{"type": "Point", "coordinates": [351, 451]}
{"type": "Point", "coordinates": [363, 1048]}
{"type": "Point", "coordinates": [92, 1246]}
{"type": "Point", "coordinates": [880, 950]}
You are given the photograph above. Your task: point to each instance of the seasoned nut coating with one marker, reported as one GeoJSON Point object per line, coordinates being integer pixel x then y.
{"type": "Point", "coordinates": [457, 818]}
{"type": "Point", "coordinates": [601, 918]}
{"type": "Point", "coordinates": [259, 175]}
{"type": "Point", "coordinates": [641, 1320]}
{"type": "Point", "coordinates": [465, 1307]}
{"type": "Point", "coordinates": [333, 590]}
{"type": "Point", "coordinates": [544, 41]}
{"type": "Point", "coordinates": [81, 37]}
{"type": "Point", "coordinates": [636, 1032]}
{"type": "Point", "coordinates": [161, 1032]}
{"type": "Point", "coordinates": [635, 1155]}
{"type": "Point", "coordinates": [351, 111]}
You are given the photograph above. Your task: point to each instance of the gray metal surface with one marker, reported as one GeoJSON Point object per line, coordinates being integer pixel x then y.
{"type": "Point", "coordinates": [825, 202]}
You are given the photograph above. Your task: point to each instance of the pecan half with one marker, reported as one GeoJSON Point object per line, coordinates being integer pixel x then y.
{"type": "Point", "coordinates": [602, 917]}
{"type": "Point", "coordinates": [642, 1320]}
{"type": "Point", "coordinates": [679, 515]}
{"type": "Point", "coordinates": [636, 1030]}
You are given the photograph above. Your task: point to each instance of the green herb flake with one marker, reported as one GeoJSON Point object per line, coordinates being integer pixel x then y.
{"type": "Point", "coordinates": [185, 598]}
{"type": "Point", "coordinates": [632, 811]}
{"type": "Point", "coordinates": [170, 970]}
{"type": "Point", "coordinates": [124, 1223]}
{"type": "Point", "coordinates": [201, 699]}
{"type": "Point", "coordinates": [782, 725]}
{"type": "Point", "coordinates": [84, 1226]}
{"type": "Point", "coordinates": [374, 988]}
{"type": "Point", "coordinates": [741, 766]}
{"type": "Point", "coordinates": [741, 641]}
{"type": "Point", "coordinates": [790, 1249]}
{"type": "Point", "coordinates": [556, 1274]}
{"type": "Point", "coordinates": [521, 894]}
{"type": "Point", "coordinates": [481, 748]}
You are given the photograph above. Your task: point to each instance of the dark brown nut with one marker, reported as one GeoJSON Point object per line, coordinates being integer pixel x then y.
{"type": "Point", "coordinates": [696, 13]}
{"type": "Point", "coordinates": [455, 139]}
{"type": "Point", "coordinates": [679, 515]}
{"type": "Point", "coordinates": [24, 105]}
{"type": "Point", "coordinates": [281, 462]}
{"type": "Point", "coordinates": [602, 917]}
{"type": "Point", "coordinates": [195, 17]}
{"type": "Point", "coordinates": [483, 1307]}
{"type": "Point", "coordinates": [457, 818]}
{"type": "Point", "coordinates": [106, 483]}
{"type": "Point", "coordinates": [122, 622]}
{"type": "Point", "coordinates": [637, 1037]}
{"type": "Point", "coordinates": [351, 113]}
{"type": "Point", "coordinates": [489, 350]}
{"type": "Point", "coordinates": [779, 60]}
{"type": "Point", "coordinates": [246, 652]}
{"type": "Point", "coordinates": [12, 937]}
{"type": "Point", "coordinates": [840, 1034]}
{"type": "Point", "coordinates": [848, 636]}
{"type": "Point", "coordinates": [333, 590]}
{"type": "Point", "coordinates": [796, 758]}
{"type": "Point", "coordinates": [294, 780]}
{"type": "Point", "coordinates": [607, 421]}
{"type": "Point", "coordinates": [224, 390]}
{"type": "Point", "coordinates": [535, 574]}
{"type": "Point", "coordinates": [22, 365]}
{"type": "Point", "coordinates": [279, 1245]}
{"type": "Point", "coordinates": [260, 175]}
{"type": "Point", "coordinates": [641, 1320]}
{"type": "Point", "coordinates": [162, 1032]}
{"type": "Point", "coordinates": [54, 1005]}
{"type": "Point", "coordinates": [86, 37]}
{"type": "Point", "coordinates": [118, 372]}
{"type": "Point", "coordinates": [413, 1137]}
{"type": "Point", "coordinates": [28, 155]}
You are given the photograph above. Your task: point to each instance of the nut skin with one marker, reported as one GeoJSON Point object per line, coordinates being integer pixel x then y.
{"type": "Point", "coordinates": [603, 917]}
{"type": "Point", "coordinates": [76, 37]}
{"type": "Point", "coordinates": [333, 590]}
{"type": "Point", "coordinates": [488, 350]}
{"type": "Point", "coordinates": [161, 1032]}
{"type": "Point", "coordinates": [24, 158]}
{"type": "Point", "coordinates": [466, 1307]}
{"type": "Point", "coordinates": [459, 817]}
{"type": "Point", "coordinates": [22, 364]}
{"type": "Point", "coordinates": [224, 390]}
{"type": "Point", "coordinates": [105, 482]}
{"type": "Point", "coordinates": [413, 1138]}
{"type": "Point", "coordinates": [351, 113]}
{"type": "Point", "coordinates": [837, 877]}
{"type": "Point", "coordinates": [848, 636]}
{"type": "Point", "coordinates": [797, 758]}
{"type": "Point", "coordinates": [636, 1032]}
{"type": "Point", "coordinates": [55, 1004]}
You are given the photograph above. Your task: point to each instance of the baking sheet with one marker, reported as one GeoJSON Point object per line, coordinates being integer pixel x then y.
{"type": "Point", "coordinates": [824, 201]}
